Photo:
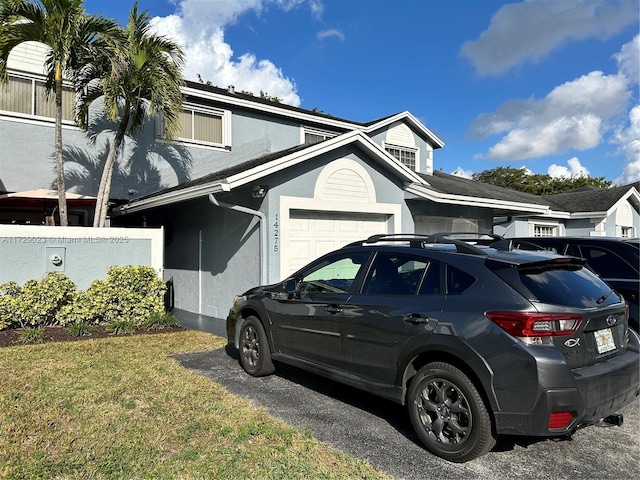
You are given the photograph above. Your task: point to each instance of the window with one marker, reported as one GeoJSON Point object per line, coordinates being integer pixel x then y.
{"type": "Point", "coordinates": [545, 230]}
{"type": "Point", "coordinates": [334, 276]}
{"type": "Point", "coordinates": [458, 281]}
{"type": "Point", "coordinates": [626, 232]}
{"type": "Point", "coordinates": [205, 126]}
{"type": "Point", "coordinates": [314, 135]}
{"type": "Point", "coordinates": [405, 155]}
{"type": "Point", "coordinates": [27, 96]}
{"type": "Point", "coordinates": [394, 275]}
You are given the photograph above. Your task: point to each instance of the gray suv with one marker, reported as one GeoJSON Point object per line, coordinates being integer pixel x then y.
{"type": "Point", "coordinates": [474, 341]}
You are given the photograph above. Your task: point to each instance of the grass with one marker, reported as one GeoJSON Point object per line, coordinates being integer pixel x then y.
{"type": "Point", "coordinates": [121, 408]}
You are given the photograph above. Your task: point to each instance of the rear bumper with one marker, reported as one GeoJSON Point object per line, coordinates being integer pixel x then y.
{"type": "Point", "coordinates": [611, 385]}
{"type": "Point", "coordinates": [600, 390]}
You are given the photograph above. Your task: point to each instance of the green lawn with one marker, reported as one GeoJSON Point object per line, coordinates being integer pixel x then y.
{"type": "Point", "coordinates": [120, 408]}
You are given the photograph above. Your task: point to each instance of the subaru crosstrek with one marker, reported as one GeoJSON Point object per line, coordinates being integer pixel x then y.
{"type": "Point", "coordinates": [475, 342]}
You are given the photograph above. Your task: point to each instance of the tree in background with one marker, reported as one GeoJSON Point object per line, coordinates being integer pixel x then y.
{"type": "Point", "coordinates": [138, 76]}
{"type": "Point", "coordinates": [536, 183]}
{"type": "Point", "coordinates": [71, 34]}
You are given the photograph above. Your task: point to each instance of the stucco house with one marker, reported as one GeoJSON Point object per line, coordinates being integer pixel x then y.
{"type": "Point", "coordinates": [253, 189]}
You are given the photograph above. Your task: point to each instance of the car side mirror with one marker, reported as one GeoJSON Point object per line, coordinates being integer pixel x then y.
{"type": "Point", "coordinates": [287, 291]}
{"type": "Point", "coordinates": [290, 286]}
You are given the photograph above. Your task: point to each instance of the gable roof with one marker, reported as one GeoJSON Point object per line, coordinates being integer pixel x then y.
{"type": "Point", "coordinates": [245, 100]}
{"type": "Point", "coordinates": [591, 199]}
{"type": "Point", "coordinates": [255, 169]}
{"type": "Point", "coordinates": [451, 189]}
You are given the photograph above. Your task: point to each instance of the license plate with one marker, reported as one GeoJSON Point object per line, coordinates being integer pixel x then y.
{"type": "Point", "coordinates": [604, 340]}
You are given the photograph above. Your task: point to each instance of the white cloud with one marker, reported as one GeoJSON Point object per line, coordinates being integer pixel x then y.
{"type": "Point", "coordinates": [331, 33]}
{"type": "Point", "coordinates": [576, 115]}
{"type": "Point", "coordinates": [628, 140]}
{"type": "Point", "coordinates": [198, 25]}
{"type": "Point", "coordinates": [574, 170]}
{"type": "Point", "coordinates": [530, 30]}
{"type": "Point", "coordinates": [461, 172]}
{"type": "Point", "coordinates": [629, 59]}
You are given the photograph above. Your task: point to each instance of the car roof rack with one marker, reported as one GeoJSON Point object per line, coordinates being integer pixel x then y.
{"type": "Point", "coordinates": [421, 241]}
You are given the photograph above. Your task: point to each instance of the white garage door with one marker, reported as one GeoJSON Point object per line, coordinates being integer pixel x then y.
{"type": "Point", "coordinates": [313, 234]}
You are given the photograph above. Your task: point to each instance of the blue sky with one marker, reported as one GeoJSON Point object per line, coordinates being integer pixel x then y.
{"type": "Point", "coordinates": [549, 85]}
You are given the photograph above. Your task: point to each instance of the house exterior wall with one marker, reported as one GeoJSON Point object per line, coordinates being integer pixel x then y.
{"type": "Point", "coordinates": [214, 253]}
{"type": "Point", "coordinates": [29, 252]}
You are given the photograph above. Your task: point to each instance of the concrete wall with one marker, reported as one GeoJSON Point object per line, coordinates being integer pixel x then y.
{"type": "Point", "coordinates": [83, 254]}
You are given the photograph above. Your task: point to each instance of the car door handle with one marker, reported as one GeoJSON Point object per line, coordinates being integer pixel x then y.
{"type": "Point", "coordinates": [333, 309]}
{"type": "Point", "coordinates": [415, 319]}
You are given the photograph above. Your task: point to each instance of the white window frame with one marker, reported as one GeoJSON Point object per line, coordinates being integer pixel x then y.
{"type": "Point", "coordinates": [315, 131]}
{"type": "Point", "coordinates": [31, 116]}
{"type": "Point", "coordinates": [627, 232]}
{"type": "Point", "coordinates": [414, 150]}
{"type": "Point", "coordinates": [554, 227]}
{"type": "Point", "coordinates": [224, 115]}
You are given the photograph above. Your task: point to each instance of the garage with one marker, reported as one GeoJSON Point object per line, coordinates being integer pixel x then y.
{"type": "Point", "coordinates": [313, 233]}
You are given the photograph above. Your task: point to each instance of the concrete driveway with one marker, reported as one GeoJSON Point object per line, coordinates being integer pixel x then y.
{"type": "Point", "coordinates": [367, 427]}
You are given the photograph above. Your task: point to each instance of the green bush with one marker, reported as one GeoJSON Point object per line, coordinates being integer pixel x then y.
{"type": "Point", "coordinates": [119, 327]}
{"type": "Point", "coordinates": [79, 329]}
{"type": "Point", "coordinates": [8, 293]}
{"type": "Point", "coordinates": [129, 294]}
{"type": "Point", "coordinates": [38, 301]}
{"type": "Point", "coordinates": [89, 306]}
{"type": "Point", "coordinates": [32, 335]}
{"type": "Point", "coordinates": [158, 321]}
{"type": "Point", "coordinates": [132, 294]}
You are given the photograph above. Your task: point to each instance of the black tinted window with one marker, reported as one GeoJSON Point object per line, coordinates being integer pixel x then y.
{"type": "Point", "coordinates": [573, 288]}
{"type": "Point", "coordinates": [458, 281]}
{"type": "Point", "coordinates": [431, 282]}
{"type": "Point", "coordinates": [607, 264]}
{"type": "Point", "coordinates": [393, 274]}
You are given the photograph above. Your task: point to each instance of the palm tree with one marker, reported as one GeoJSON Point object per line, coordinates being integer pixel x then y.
{"type": "Point", "coordinates": [70, 33]}
{"type": "Point", "coordinates": [139, 77]}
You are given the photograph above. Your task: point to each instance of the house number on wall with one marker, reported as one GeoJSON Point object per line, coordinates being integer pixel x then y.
{"type": "Point", "coordinates": [276, 235]}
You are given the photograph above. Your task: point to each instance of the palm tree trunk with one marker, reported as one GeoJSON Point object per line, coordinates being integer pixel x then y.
{"type": "Point", "coordinates": [104, 191]}
{"type": "Point", "coordinates": [62, 196]}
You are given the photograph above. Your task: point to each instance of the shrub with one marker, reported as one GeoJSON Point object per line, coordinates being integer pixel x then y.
{"type": "Point", "coordinates": [89, 306]}
{"type": "Point", "coordinates": [158, 321]}
{"type": "Point", "coordinates": [120, 327]}
{"type": "Point", "coordinates": [79, 329]}
{"type": "Point", "coordinates": [31, 335]}
{"type": "Point", "coordinates": [132, 294]}
{"type": "Point", "coordinates": [38, 301]}
{"type": "Point", "coordinates": [8, 293]}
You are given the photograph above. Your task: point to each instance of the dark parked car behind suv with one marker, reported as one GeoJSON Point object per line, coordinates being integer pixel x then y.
{"type": "Point", "coordinates": [615, 260]}
{"type": "Point", "coordinates": [475, 342]}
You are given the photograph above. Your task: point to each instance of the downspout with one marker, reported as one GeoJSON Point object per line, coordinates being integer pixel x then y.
{"type": "Point", "coordinates": [263, 232]}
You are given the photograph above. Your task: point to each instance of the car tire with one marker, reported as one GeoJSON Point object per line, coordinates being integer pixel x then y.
{"type": "Point", "coordinates": [449, 414]}
{"type": "Point", "coordinates": [255, 355]}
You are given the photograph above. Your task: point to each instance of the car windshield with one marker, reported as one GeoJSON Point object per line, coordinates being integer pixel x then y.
{"type": "Point", "coordinates": [570, 287]}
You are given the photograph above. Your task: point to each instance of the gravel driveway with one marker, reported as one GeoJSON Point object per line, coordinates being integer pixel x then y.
{"type": "Point", "coordinates": [367, 427]}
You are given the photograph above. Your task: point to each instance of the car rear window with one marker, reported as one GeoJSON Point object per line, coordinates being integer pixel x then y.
{"type": "Point", "coordinates": [569, 287]}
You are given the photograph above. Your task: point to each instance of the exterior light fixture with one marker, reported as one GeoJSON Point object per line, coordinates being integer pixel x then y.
{"type": "Point", "coordinates": [259, 191]}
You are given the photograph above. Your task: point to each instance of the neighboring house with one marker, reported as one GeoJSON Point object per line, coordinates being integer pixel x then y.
{"type": "Point", "coordinates": [586, 211]}
{"type": "Point", "coordinates": [251, 190]}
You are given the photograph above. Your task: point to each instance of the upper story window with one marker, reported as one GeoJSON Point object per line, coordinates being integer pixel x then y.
{"type": "Point", "coordinates": [406, 156]}
{"type": "Point", "coordinates": [205, 126]}
{"type": "Point", "coordinates": [315, 135]}
{"type": "Point", "coordinates": [26, 96]}
{"type": "Point", "coordinates": [401, 143]}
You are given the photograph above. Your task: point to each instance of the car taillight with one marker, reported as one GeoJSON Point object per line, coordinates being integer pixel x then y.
{"type": "Point", "coordinates": [560, 420]}
{"type": "Point", "coordinates": [536, 328]}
